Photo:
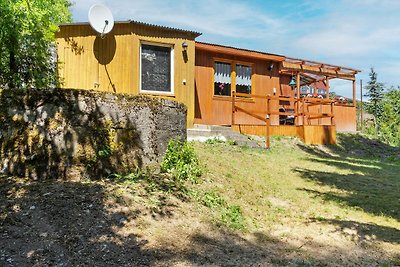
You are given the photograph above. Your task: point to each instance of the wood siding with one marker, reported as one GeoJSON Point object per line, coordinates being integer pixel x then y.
{"type": "Point", "coordinates": [113, 64]}
{"type": "Point", "coordinates": [309, 134]}
{"type": "Point", "coordinates": [217, 110]}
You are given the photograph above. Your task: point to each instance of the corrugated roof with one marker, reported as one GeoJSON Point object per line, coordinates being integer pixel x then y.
{"type": "Point", "coordinates": [196, 34]}
{"type": "Point", "coordinates": [240, 49]}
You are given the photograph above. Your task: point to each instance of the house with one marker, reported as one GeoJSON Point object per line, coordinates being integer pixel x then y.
{"type": "Point", "coordinates": [135, 58]}
{"type": "Point", "coordinates": [252, 91]}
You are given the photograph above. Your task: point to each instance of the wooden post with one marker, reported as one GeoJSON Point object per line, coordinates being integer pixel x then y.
{"type": "Point", "coordinates": [354, 93]}
{"type": "Point", "coordinates": [362, 115]}
{"type": "Point", "coordinates": [298, 84]}
{"type": "Point", "coordinates": [327, 87]}
{"type": "Point", "coordinates": [233, 108]}
{"type": "Point", "coordinates": [267, 139]}
{"type": "Point", "coordinates": [267, 124]}
{"type": "Point", "coordinates": [298, 96]}
{"type": "Point", "coordinates": [303, 101]}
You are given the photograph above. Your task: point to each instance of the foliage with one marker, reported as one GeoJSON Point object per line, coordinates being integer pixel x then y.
{"type": "Point", "coordinates": [181, 161]}
{"type": "Point", "coordinates": [135, 175]}
{"type": "Point", "coordinates": [389, 122]}
{"type": "Point", "coordinates": [214, 140]}
{"type": "Point", "coordinates": [27, 29]}
{"type": "Point", "coordinates": [375, 93]}
{"type": "Point", "coordinates": [233, 217]}
{"type": "Point", "coordinates": [212, 200]}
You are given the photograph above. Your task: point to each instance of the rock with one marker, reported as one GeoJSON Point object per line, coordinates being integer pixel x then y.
{"type": "Point", "coordinates": [74, 134]}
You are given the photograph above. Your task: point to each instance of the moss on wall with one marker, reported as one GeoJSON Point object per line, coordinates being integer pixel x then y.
{"type": "Point", "coordinates": [70, 134]}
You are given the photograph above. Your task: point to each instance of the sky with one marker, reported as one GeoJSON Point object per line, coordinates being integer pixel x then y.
{"type": "Point", "coordinates": [358, 34]}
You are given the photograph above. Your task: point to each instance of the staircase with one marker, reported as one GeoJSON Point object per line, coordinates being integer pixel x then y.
{"type": "Point", "coordinates": [202, 133]}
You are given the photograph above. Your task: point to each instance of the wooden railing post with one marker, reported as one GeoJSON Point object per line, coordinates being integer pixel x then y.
{"type": "Point", "coordinates": [233, 108]}
{"type": "Point", "coordinates": [267, 138]}
{"type": "Point", "coordinates": [354, 93]}
{"type": "Point", "coordinates": [268, 124]}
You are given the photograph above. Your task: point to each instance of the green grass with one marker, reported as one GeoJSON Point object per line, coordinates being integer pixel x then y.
{"type": "Point", "coordinates": [355, 182]}
{"type": "Point", "coordinates": [292, 205]}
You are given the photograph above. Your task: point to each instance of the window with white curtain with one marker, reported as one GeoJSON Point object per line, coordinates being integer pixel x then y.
{"type": "Point", "coordinates": [222, 78]}
{"type": "Point", "coordinates": [243, 79]}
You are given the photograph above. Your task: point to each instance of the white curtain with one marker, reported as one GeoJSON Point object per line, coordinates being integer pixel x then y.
{"type": "Point", "coordinates": [222, 72]}
{"type": "Point", "coordinates": [243, 75]}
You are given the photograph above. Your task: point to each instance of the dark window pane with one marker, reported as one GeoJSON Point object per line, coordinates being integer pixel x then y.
{"type": "Point", "coordinates": [222, 88]}
{"type": "Point", "coordinates": [156, 68]}
{"type": "Point", "coordinates": [222, 78]}
{"type": "Point", "coordinates": [244, 89]}
{"type": "Point", "coordinates": [243, 79]}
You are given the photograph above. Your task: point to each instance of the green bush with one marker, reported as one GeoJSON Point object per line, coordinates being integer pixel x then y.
{"type": "Point", "coordinates": [181, 161]}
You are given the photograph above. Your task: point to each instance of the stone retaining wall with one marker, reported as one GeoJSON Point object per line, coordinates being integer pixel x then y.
{"type": "Point", "coordinates": [70, 134]}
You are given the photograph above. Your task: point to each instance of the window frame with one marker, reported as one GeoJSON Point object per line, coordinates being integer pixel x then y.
{"type": "Point", "coordinates": [233, 64]}
{"type": "Point", "coordinates": [172, 64]}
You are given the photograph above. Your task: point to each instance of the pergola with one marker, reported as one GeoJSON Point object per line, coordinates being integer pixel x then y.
{"type": "Point", "coordinates": [308, 72]}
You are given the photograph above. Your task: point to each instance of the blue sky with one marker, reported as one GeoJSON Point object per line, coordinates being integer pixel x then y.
{"type": "Point", "coordinates": [354, 33]}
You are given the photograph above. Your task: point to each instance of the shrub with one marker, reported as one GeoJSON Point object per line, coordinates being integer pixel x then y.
{"type": "Point", "coordinates": [181, 161]}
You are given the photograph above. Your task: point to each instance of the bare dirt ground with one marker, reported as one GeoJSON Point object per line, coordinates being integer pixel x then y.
{"type": "Point", "coordinates": [107, 224]}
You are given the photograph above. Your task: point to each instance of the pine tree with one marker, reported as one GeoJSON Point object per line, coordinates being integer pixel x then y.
{"type": "Point", "coordinates": [375, 93]}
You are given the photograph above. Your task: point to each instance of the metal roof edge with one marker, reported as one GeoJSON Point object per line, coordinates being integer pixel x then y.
{"type": "Point", "coordinates": [196, 34]}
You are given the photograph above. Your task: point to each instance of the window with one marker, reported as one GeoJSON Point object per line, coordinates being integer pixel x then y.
{"type": "Point", "coordinates": [243, 79]}
{"type": "Point", "coordinates": [223, 78]}
{"type": "Point", "coordinates": [156, 66]}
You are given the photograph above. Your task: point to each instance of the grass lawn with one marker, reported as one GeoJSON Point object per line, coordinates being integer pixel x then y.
{"type": "Point", "coordinates": [294, 205]}
{"type": "Point", "coordinates": [339, 203]}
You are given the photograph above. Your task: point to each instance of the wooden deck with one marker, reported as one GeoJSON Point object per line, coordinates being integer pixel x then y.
{"type": "Point", "coordinates": [306, 111]}
{"type": "Point", "coordinates": [309, 134]}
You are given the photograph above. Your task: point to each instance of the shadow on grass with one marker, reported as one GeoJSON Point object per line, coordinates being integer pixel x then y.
{"type": "Point", "coordinates": [364, 231]}
{"type": "Point", "coordinates": [371, 181]}
{"type": "Point", "coordinates": [76, 224]}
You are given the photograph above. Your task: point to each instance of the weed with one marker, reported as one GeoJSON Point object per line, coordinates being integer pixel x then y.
{"type": "Point", "coordinates": [212, 200]}
{"type": "Point", "coordinates": [214, 140]}
{"type": "Point", "coordinates": [137, 174]}
{"type": "Point", "coordinates": [233, 217]}
{"type": "Point", "coordinates": [232, 142]}
{"type": "Point", "coordinates": [105, 152]}
{"type": "Point", "coordinates": [181, 161]}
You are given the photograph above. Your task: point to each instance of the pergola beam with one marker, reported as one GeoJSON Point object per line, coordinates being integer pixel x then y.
{"type": "Point", "coordinates": [321, 65]}
{"type": "Point", "coordinates": [293, 67]}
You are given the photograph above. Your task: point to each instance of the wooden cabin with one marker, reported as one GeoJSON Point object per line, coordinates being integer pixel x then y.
{"type": "Point", "coordinates": [252, 91]}
{"type": "Point", "coordinates": [267, 94]}
{"type": "Point", "coordinates": [134, 58]}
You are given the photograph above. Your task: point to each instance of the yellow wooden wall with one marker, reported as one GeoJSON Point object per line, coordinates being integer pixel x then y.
{"type": "Point", "coordinates": [112, 64]}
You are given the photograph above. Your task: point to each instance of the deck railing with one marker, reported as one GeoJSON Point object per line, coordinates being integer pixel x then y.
{"type": "Point", "coordinates": [301, 110]}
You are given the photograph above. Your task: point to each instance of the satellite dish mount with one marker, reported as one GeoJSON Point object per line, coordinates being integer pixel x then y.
{"type": "Point", "coordinates": [101, 19]}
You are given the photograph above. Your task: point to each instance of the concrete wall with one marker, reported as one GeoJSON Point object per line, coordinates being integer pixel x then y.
{"type": "Point", "coordinates": [70, 134]}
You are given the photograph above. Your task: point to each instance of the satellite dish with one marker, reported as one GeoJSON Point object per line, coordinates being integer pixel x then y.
{"type": "Point", "coordinates": [101, 19]}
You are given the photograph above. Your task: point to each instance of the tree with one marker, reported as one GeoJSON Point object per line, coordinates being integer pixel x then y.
{"type": "Point", "coordinates": [390, 120]}
{"type": "Point", "coordinates": [375, 93]}
{"type": "Point", "coordinates": [27, 29]}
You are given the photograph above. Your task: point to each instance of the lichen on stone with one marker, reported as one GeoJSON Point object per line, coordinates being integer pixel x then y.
{"type": "Point", "coordinates": [60, 133]}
